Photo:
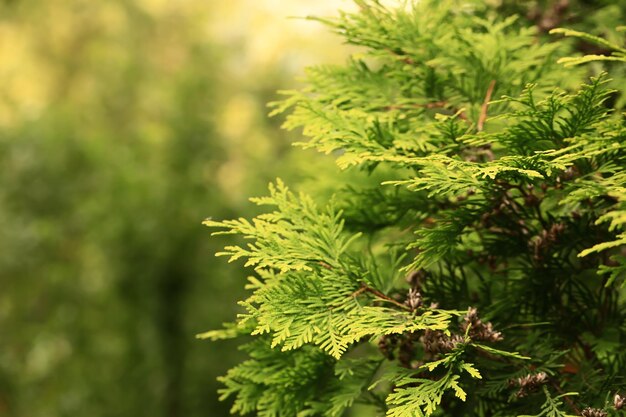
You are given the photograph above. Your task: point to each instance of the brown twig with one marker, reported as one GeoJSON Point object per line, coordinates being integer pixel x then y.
{"type": "Point", "coordinates": [483, 109]}
{"type": "Point", "coordinates": [325, 265]}
{"type": "Point", "coordinates": [367, 288]}
{"type": "Point", "coordinates": [359, 291]}
{"type": "Point", "coordinates": [402, 56]}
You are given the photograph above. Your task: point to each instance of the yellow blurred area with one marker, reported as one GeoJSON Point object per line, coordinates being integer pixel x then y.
{"type": "Point", "coordinates": [274, 31]}
{"type": "Point", "coordinates": [258, 36]}
{"type": "Point", "coordinates": [21, 96]}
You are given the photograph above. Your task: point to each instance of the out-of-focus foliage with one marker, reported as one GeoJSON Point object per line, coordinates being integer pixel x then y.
{"type": "Point", "coordinates": [122, 125]}
{"type": "Point", "coordinates": [106, 170]}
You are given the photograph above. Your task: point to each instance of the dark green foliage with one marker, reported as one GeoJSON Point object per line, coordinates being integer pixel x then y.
{"type": "Point", "coordinates": [493, 178]}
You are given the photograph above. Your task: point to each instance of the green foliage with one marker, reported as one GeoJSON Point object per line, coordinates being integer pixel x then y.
{"type": "Point", "coordinates": [426, 58]}
{"type": "Point", "coordinates": [506, 174]}
{"type": "Point", "coordinates": [311, 284]}
{"type": "Point", "coordinates": [552, 406]}
{"type": "Point", "coordinates": [274, 383]}
{"type": "Point", "coordinates": [422, 396]}
{"type": "Point", "coordinates": [618, 53]}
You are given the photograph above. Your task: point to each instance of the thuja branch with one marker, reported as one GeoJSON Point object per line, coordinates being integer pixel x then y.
{"type": "Point", "coordinates": [507, 194]}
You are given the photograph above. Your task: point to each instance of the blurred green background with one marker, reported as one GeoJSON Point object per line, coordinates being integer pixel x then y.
{"type": "Point", "coordinates": [123, 124]}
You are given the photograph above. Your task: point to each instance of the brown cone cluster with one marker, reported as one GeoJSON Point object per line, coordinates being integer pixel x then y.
{"type": "Point", "coordinates": [593, 412]}
{"type": "Point", "coordinates": [405, 346]}
{"type": "Point", "coordinates": [413, 299]}
{"type": "Point", "coordinates": [477, 329]}
{"type": "Point", "coordinates": [542, 243]}
{"type": "Point", "coordinates": [435, 341]}
{"type": "Point", "coordinates": [530, 383]}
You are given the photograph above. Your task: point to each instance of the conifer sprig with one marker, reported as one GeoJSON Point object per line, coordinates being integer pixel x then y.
{"type": "Point", "coordinates": [314, 290]}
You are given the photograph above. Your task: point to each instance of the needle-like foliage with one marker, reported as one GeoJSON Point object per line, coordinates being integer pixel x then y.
{"type": "Point", "coordinates": [491, 177]}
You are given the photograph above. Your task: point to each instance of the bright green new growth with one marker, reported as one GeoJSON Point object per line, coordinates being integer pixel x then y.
{"type": "Point", "coordinates": [312, 286]}
{"type": "Point", "coordinates": [503, 197]}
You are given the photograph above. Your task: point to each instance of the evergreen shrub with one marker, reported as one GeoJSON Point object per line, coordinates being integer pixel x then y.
{"type": "Point", "coordinates": [477, 267]}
